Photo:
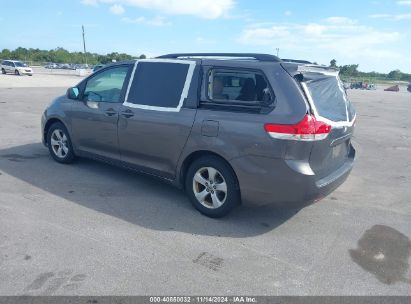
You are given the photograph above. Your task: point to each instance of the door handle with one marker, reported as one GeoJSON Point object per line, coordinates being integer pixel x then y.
{"type": "Point", "coordinates": [127, 113]}
{"type": "Point", "coordinates": [110, 112]}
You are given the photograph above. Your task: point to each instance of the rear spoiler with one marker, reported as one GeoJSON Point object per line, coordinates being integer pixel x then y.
{"type": "Point", "coordinates": [295, 69]}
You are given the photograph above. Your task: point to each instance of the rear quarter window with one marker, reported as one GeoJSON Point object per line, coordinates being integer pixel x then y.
{"type": "Point", "coordinates": [232, 86]}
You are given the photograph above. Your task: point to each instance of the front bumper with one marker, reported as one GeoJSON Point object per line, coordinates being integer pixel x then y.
{"type": "Point", "coordinates": [266, 181]}
{"type": "Point", "coordinates": [26, 71]}
{"type": "Point", "coordinates": [43, 125]}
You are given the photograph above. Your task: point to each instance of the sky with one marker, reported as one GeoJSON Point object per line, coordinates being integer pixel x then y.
{"type": "Point", "coordinates": [374, 34]}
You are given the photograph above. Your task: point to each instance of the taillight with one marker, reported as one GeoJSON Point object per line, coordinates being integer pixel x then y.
{"type": "Point", "coordinates": [308, 129]}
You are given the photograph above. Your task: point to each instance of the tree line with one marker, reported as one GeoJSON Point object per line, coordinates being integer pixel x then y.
{"type": "Point", "coordinates": [351, 70]}
{"type": "Point", "coordinates": [61, 55]}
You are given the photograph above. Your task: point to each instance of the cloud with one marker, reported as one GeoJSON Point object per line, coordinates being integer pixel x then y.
{"type": "Point", "coordinates": [207, 9]}
{"type": "Point", "coordinates": [263, 36]}
{"type": "Point", "coordinates": [90, 2]}
{"type": "Point", "coordinates": [288, 13]}
{"type": "Point", "coordinates": [404, 3]}
{"type": "Point", "coordinates": [156, 21]}
{"type": "Point", "coordinates": [341, 20]}
{"type": "Point", "coordinates": [322, 34]}
{"type": "Point", "coordinates": [398, 17]}
{"type": "Point", "coordinates": [322, 41]}
{"type": "Point", "coordinates": [117, 9]}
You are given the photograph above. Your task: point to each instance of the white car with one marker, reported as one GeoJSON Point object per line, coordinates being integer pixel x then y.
{"type": "Point", "coordinates": [16, 67]}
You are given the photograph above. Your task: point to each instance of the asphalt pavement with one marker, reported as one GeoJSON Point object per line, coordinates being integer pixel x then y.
{"type": "Point", "coordinates": [93, 229]}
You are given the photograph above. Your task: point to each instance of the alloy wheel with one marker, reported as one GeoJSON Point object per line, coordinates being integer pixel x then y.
{"type": "Point", "coordinates": [210, 187]}
{"type": "Point", "coordinates": [58, 142]}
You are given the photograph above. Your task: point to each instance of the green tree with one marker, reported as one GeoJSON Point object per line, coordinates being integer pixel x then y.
{"type": "Point", "coordinates": [333, 63]}
{"type": "Point", "coordinates": [395, 75]}
{"type": "Point", "coordinates": [349, 70]}
{"type": "Point", "coordinates": [61, 55]}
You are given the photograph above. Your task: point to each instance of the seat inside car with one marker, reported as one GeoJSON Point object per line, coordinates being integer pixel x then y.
{"type": "Point", "coordinates": [248, 91]}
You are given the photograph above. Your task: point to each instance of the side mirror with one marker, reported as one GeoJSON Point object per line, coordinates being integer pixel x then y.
{"type": "Point", "coordinates": [73, 93]}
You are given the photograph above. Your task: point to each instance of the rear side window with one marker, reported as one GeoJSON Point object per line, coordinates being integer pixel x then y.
{"type": "Point", "coordinates": [329, 97]}
{"type": "Point", "coordinates": [242, 87]}
{"type": "Point", "coordinates": [160, 85]}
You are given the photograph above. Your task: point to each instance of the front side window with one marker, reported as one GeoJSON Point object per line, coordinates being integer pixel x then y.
{"type": "Point", "coordinates": [106, 86]}
{"type": "Point", "coordinates": [238, 87]}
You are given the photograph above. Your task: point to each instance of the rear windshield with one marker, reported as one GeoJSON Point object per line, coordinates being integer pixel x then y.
{"type": "Point", "coordinates": [329, 97]}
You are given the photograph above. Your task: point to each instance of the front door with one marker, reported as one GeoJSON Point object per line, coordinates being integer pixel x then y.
{"type": "Point", "coordinates": [95, 116]}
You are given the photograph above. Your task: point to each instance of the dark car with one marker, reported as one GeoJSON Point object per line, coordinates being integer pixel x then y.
{"type": "Point", "coordinates": [247, 129]}
{"type": "Point", "coordinates": [98, 67]}
{"type": "Point", "coordinates": [409, 87]}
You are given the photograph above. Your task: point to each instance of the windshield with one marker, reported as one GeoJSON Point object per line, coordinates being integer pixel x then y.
{"type": "Point", "coordinates": [20, 64]}
{"type": "Point", "coordinates": [329, 97]}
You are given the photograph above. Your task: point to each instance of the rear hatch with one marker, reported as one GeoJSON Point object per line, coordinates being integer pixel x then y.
{"type": "Point", "coordinates": [329, 103]}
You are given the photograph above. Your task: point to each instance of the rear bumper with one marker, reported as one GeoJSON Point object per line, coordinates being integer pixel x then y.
{"type": "Point", "coordinates": [266, 181]}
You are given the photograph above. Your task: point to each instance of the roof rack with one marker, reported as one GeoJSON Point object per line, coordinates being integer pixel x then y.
{"type": "Point", "coordinates": [296, 61]}
{"type": "Point", "coordinates": [259, 57]}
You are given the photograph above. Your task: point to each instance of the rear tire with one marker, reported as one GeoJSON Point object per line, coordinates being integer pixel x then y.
{"type": "Point", "coordinates": [16, 72]}
{"type": "Point", "coordinates": [211, 185]}
{"type": "Point", "coordinates": [59, 144]}
{"type": "Point", "coordinates": [3, 71]}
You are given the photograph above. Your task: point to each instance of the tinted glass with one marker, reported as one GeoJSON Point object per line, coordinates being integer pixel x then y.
{"type": "Point", "coordinates": [158, 84]}
{"type": "Point", "coordinates": [20, 64]}
{"type": "Point", "coordinates": [329, 97]}
{"type": "Point", "coordinates": [107, 85]}
{"type": "Point", "coordinates": [240, 86]}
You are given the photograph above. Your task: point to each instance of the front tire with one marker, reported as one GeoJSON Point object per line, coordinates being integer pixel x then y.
{"type": "Point", "coordinates": [59, 144]}
{"type": "Point", "coordinates": [16, 72]}
{"type": "Point", "coordinates": [212, 187]}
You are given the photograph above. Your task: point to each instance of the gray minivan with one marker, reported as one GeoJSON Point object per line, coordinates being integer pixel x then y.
{"type": "Point", "coordinates": [228, 128]}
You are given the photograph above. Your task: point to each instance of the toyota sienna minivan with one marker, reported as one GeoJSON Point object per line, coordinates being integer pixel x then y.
{"type": "Point", "coordinates": [228, 128]}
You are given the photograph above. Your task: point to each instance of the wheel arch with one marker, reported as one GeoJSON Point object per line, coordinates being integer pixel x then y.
{"type": "Point", "coordinates": [190, 158]}
{"type": "Point", "coordinates": [49, 123]}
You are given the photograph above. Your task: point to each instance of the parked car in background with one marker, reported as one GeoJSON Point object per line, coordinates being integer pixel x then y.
{"type": "Point", "coordinates": [51, 65]}
{"type": "Point", "coordinates": [65, 66]}
{"type": "Point", "coordinates": [98, 67]}
{"type": "Point", "coordinates": [409, 87]}
{"type": "Point", "coordinates": [251, 129]}
{"type": "Point", "coordinates": [81, 66]}
{"type": "Point", "coordinates": [16, 67]}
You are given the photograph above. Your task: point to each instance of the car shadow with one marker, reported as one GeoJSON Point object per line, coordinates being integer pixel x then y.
{"type": "Point", "coordinates": [133, 197]}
